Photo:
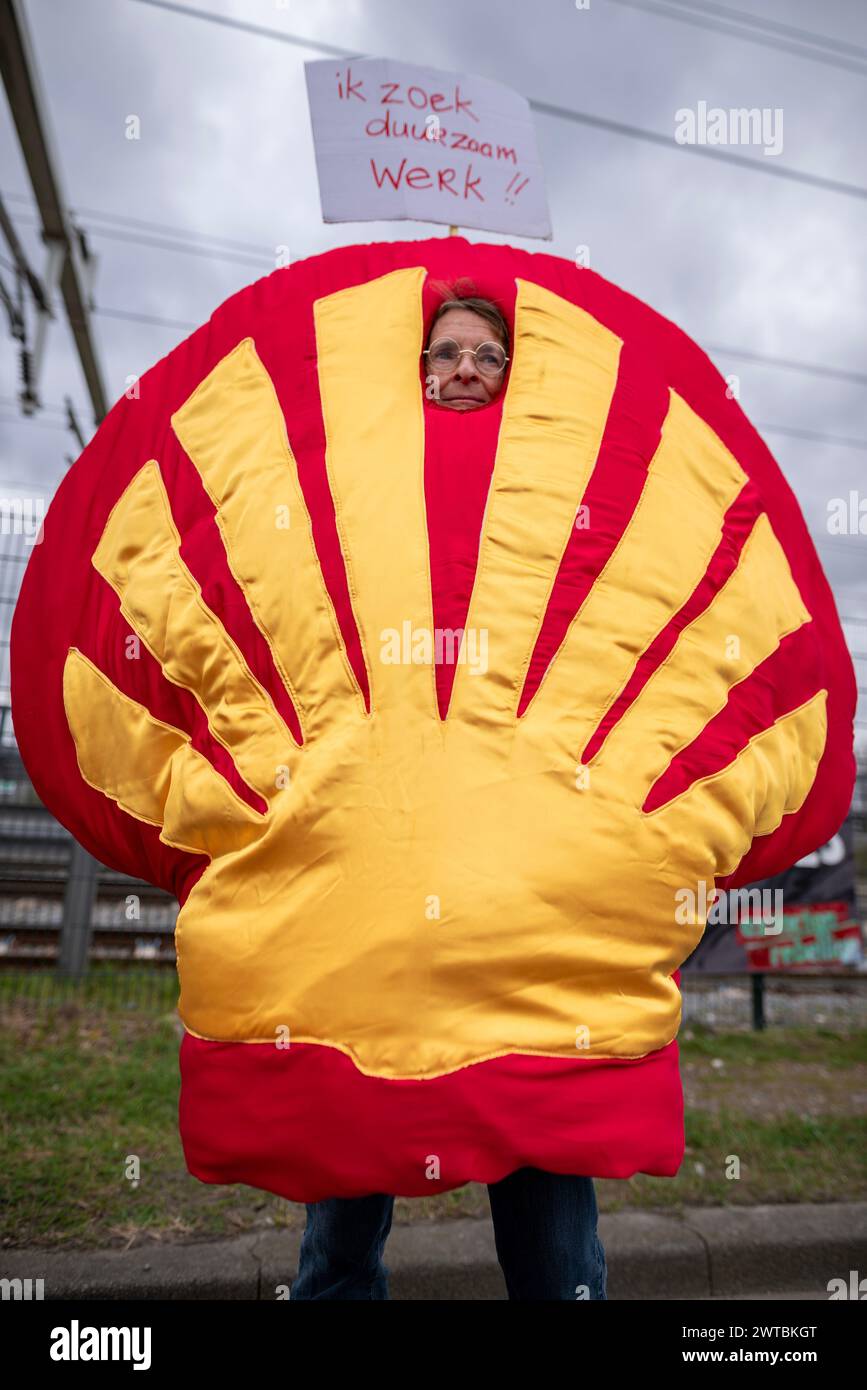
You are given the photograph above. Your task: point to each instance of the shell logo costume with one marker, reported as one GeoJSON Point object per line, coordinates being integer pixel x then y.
{"type": "Point", "coordinates": [428, 929]}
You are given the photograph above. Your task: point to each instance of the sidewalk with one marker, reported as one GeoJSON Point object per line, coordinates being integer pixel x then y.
{"type": "Point", "coordinates": [707, 1252]}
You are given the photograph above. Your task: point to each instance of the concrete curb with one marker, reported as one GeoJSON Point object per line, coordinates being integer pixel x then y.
{"type": "Point", "coordinates": [705, 1252]}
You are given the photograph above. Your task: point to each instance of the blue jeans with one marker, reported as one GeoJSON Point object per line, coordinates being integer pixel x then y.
{"type": "Point", "coordinates": [544, 1230]}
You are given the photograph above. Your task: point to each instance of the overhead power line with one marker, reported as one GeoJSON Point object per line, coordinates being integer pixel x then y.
{"type": "Point", "coordinates": [545, 108]}
{"type": "Point", "coordinates": [842, 542]}
{"type": "Point", "coordinates": [10, 403]}
{"type": "Point", "coordinates": [201, 237]}
{"type": "Point", "coordinates": [653, 137]}
{"type": "Point", "coordinates": [123, 219]}
{"type": "Point", "coordinates": [154, 319]}
{"type": "Point", "coordinates": [720, 19]}
{"type": "Point", "coordinates": [811, 368]}
{"type": "Point", "coordinates": [31, 420]}
{"type": "Point", "coordinates": [161, 244]}
{"type": "Point", "coordinates": [798, 433]}
{"type": "Point", "coordinates": [195, 244]}
{"type": "Point", "coordinates": [261, 30]}
{"type": "Point", "coordinates": [773, 26]}
{"type": "Point", "coordinates": [823, 543]}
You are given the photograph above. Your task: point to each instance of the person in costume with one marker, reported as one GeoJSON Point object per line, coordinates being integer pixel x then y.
{"type": "Point", "coordinates": [431, 911]}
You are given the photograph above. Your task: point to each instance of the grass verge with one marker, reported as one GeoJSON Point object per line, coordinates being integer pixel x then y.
{"type": "Point", "coordinates": [86, 1085]}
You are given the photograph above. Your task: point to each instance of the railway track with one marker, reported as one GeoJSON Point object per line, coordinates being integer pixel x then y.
{"type": "Point", "coordinates": [132, 921]}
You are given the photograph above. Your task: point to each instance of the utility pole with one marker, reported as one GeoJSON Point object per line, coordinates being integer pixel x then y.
{"type": "Point", "coordinates": [69, 266]}
{"type": "Point", "coordinates": [69, 260]}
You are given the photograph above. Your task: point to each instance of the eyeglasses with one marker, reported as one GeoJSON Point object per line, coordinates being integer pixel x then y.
{"type": "Point", "coordinates": [445, 354]}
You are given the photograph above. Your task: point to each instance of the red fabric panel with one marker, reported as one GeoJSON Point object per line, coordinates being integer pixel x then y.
{"type": "Point", "coordinates": [781, 683]}
{"type": "Point", "coordinates": [631, 438]}
{"type": "Point", "coordinates": [455, 499]}
{"type": "Point", "coordinates": [305, 1123]}
{"type": "Point", "coordinates": [739, 521]}
{"type": "Point", "coordinates": [203, 552]}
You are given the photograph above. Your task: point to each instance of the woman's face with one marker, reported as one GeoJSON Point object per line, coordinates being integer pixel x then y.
{"type": "Point", "coordinates": [464, 387]}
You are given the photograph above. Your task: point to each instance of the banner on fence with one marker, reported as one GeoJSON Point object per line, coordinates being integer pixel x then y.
{"type": "Point", "coordinates": [805, 918]}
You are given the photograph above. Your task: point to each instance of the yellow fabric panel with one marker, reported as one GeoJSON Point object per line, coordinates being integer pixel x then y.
{"type": "Point", "coordinates": [563, 376]}
{"type": "Point", "coordinates": [768, 780]}
{"type": "Point", "coordinates": [719, 648]}
{"type": "Point", "coordinates": [692, 481]}
{"type": "Point", "coordinates": [139, 556]}
{"type": "Point", "coordinates": [233, 430]}
{"type": "Point", "coordinates": [149, 767]}
{"type": "Point", "coordinates": [367, 335]}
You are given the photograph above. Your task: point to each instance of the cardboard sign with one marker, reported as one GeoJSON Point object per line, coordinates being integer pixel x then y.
{"type": "Point", "coordinates": [397, 141]}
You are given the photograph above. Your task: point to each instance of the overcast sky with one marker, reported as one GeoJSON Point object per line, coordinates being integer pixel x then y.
{"type": "Point", "coordinates": [736, 257]}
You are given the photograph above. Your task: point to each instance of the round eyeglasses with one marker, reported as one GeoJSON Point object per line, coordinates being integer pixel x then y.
{"type": "Point", "coordinates": [444, 355]}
